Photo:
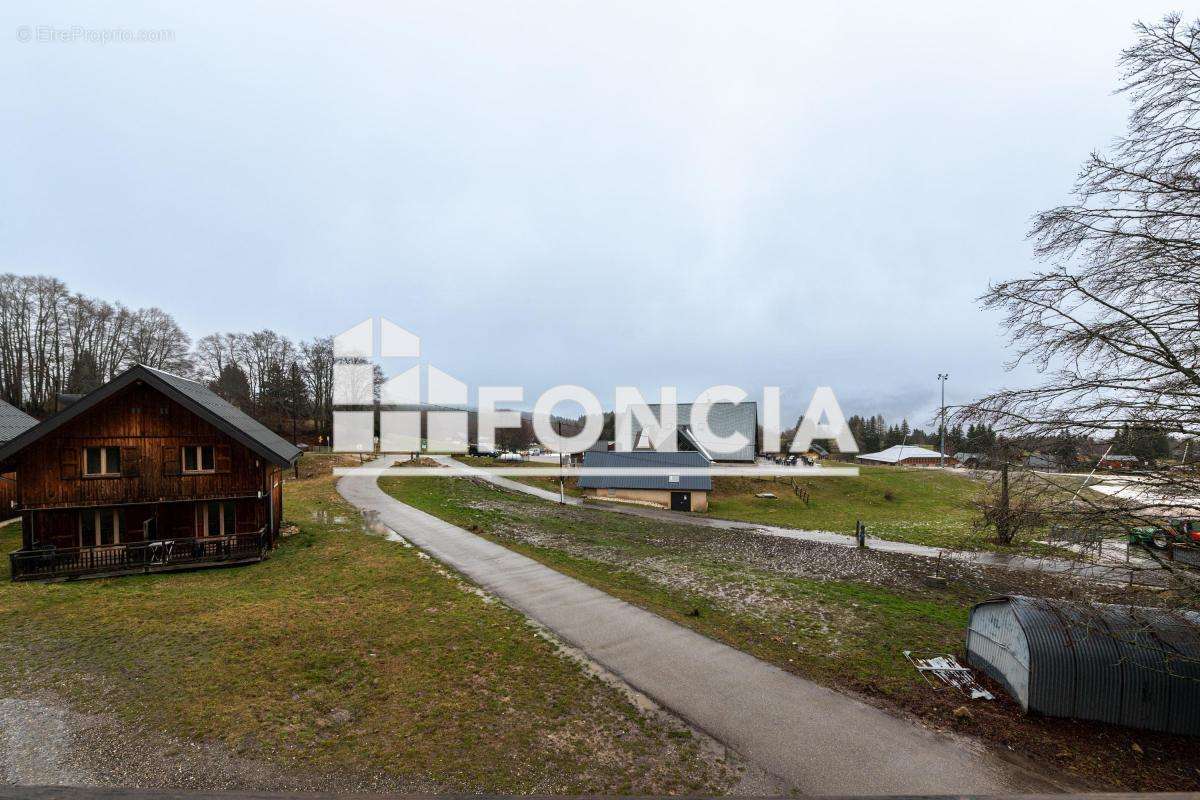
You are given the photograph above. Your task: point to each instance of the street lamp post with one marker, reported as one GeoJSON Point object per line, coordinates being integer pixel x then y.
{"type": "Point", "coordinates": [942, 376]}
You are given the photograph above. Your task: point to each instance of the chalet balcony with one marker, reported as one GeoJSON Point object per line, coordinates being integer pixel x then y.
{"type": "Point", "coordinates": [158, 555]}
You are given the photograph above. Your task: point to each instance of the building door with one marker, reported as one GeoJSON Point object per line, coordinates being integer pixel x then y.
{"type": "Point", "coordinates": [681, 501]}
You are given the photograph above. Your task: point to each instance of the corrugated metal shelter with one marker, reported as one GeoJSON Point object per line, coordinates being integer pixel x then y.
{"type": "Point", "coordinates": [1125, 665]}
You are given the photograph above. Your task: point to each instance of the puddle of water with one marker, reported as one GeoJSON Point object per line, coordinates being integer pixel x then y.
{"type": "Point", "coordinates": [372, 524]}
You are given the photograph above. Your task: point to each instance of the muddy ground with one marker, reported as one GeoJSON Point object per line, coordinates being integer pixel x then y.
{"type": "Point", "coordinates": [1096, 755]}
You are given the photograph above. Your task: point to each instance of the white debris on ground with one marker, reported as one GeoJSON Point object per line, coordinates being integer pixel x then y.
{"type": "Point", "coordinates": [946, 668]}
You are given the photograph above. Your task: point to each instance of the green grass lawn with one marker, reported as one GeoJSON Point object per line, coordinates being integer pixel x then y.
{"type": "Point", "coordinates": [859, 650]}
{"type": "Point", "coordinates": [922, 506]}
{"type": "Point", "coordinates": [343, 653]}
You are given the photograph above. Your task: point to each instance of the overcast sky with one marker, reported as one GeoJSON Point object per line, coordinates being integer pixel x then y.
{"type": "Point", "coordinates": [603, 193]}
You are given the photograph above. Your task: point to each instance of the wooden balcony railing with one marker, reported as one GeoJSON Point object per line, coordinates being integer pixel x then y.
{"type": "Point", "coordinates": [133, 557]}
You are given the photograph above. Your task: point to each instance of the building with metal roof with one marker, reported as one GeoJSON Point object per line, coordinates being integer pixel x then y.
{"type": "Point", "coordinates": [1125, 665]}
{"type": "Point", "coordinates": [13, 422]}
{"type": "Point", "coordinates": [150, 472]}
{"type": "Point", "coordinates": [724, 420]}
{"type": "Point", "coordinates": [643, 476]}
{"type": "Point", "coordinates": [195, 397]}
{"type": "Point", "coordinates": [1118, 462]}
{"type": "Point", "coordinates": [907, 454]}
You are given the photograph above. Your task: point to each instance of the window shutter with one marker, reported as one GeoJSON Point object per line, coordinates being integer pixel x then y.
{"type": "Point", "coordinates": [131, 462]}
{"type": "Point", "coordinates": [223, 458]}
{"type": "Point", "coordinates": [170, 460]}
{"type": "Point", "coordinates": [68, 461]}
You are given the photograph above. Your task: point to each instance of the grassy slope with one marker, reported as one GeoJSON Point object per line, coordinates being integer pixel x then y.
{"type": "Point", "coordinates": [873, 625]}
{"type": "Point", "coordinates": [342, 653]}
{"type": "Point", "coordinates": [918, 505]}
{"type": "Point", "coordinates": [925, 506]}
{"type": "Point", "coordinates": [922, 506]}
{"type": "Point", "coordinates": [842, 633]}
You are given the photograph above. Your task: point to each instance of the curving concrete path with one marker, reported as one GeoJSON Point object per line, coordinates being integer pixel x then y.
{"type": "Point", "coordinates": [816, 740]}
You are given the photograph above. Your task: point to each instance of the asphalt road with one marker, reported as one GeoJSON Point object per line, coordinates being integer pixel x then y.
{"type": "Point", "coordinates": [814, 739]}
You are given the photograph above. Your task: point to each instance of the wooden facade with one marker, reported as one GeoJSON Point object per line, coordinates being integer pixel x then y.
{"type": "Point", "coordinates": [8, 495]}
{"type": "Point", "coordinates": [138, 481]}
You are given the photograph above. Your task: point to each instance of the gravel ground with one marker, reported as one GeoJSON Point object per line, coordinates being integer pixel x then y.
{"type": "Point", "coordinates": [36, 746]}
{"type": "Point", "coordinates": [44, 742]}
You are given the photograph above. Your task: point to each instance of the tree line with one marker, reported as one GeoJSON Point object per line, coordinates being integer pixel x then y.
{"type": "Point", "coordinates": [56, 342]}
{"type": "Point", "coordinates": [873, 434]}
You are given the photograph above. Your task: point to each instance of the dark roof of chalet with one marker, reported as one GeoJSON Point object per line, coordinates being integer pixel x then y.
{"type": "Point", "coordinates": [195, 397]}
{"type": "Point", "coordinates": [645, 459]}
{"type": "Point", "coordinates": [13, 422]}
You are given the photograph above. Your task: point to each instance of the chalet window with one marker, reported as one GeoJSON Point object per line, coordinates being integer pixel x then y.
{"type": "Point", "coordinates": [201, 458]}
{"type": "Point", "coordinates": [215, 519]}
{"type": "Point", "coordinates": [101, 461]}
{"type": "Point", "coordinates": [100, 527]}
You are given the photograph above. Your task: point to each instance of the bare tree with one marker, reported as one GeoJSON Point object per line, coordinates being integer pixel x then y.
{"type": "Point", "coordinates": [156, 340]}
{"type": "Point", "coordinates": [316, 364]}
{"type": "Point", "coordinates": [1013, 505]}
{"type": "Point", "coordinates": [1113, 320]}
{"type": "Point", "coordinates": [52, 341]}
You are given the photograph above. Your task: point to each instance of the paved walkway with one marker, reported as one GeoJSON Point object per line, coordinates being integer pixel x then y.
{"type": "Point", "coordinates": [815, 739]}
{"type": "Point", "coordinates": [1116, 573]}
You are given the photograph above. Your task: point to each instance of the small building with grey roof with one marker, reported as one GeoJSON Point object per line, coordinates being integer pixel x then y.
{"type": "Point", "coordinates": [646, 477]}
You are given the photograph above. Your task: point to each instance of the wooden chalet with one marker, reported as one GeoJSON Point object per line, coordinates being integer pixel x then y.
{"type": "Point", "coordinates": [150, 472]}
{"type": "Point", "coordinates": [13, 422]}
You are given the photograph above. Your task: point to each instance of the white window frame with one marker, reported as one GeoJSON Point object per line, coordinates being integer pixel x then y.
{"type": "Point", "coordinates": [104, 472]}
{"type": "Point", "coordinates": [116, 520]}
{"type": "Point", "coordinates": [202, 519]}
{"type": "Point", "coordinates": [198, 449]}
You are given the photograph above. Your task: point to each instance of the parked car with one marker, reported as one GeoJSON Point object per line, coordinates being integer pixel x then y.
{"type": "Point", "coordinates": [1179, 531]}
{"type": "Point", "coordinates": [535, 451]}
